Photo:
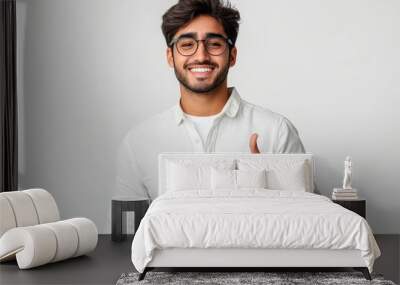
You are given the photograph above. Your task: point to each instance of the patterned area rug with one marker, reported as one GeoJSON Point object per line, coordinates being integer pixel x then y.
{"type": "Point", "coordinates": [269, 278]}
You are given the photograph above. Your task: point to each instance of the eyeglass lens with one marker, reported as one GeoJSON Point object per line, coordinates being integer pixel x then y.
{"type": "Point", "coordinates": [188, 46]}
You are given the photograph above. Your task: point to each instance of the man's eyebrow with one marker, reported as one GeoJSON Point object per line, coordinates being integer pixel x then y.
{"type": "Point", "coordinates": [188, 35]}
{"type": "Point", "coordinates": [194, 35]}
{"type": "Point", "coordinates": [215, 35]}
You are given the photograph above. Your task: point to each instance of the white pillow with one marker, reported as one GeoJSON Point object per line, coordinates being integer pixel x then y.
{"type": "Point", "coordinates": [184, 177]}
{"type": "Point", "coordinates": [282, 174]}
{"type": "Point", "coordinates": [223, 179]}
{"type": "Point", "coordinates": [237, 179]}
{"type": "Point", "coordinates": [251, 178]}
{"type": "Point", "coordinates": [292, 178]}
{"type": "Point", "coordinates": [186, 174]}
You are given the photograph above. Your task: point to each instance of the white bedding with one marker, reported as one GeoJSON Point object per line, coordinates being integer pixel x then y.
{"type": "Point", "coordinates": [250, 218]}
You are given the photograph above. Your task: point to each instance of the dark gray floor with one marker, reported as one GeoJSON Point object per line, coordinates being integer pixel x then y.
{"type": "Point", "coordinates": [102, 266]}
{"type": "Point", "coordinates": [110, 259]}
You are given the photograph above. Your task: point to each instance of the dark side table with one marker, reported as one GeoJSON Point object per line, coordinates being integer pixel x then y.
{"type": "Point", "coordinates": [119, 205]}
{"type": "Point", "coordinates": [357, 206]}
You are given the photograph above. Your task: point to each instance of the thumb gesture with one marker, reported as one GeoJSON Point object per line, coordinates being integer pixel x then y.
{"type": "Point", "coordinates": [253, 143]}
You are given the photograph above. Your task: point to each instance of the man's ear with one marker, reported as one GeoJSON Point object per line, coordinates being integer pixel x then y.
{"type": "Point", "coordinates": [232, 59]}
{"type": "Point", "coordinates": [170, 57]}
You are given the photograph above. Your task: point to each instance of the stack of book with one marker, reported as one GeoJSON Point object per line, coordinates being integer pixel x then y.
{"type": "Point", "coordinates": [344, 194]}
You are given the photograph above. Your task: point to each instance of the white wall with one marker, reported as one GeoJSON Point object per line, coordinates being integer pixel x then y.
{"type": "Point", "coordinates": [91, 69]}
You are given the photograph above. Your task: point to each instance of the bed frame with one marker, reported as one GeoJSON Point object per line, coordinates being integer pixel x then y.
{"type": "Point", "coordinates": [237, 259]}
{"type": "Point", "coordinates": [248, 259]}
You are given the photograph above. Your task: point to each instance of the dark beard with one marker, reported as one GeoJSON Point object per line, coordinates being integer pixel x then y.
{"type": "Point", "coordinates": [221, 76]}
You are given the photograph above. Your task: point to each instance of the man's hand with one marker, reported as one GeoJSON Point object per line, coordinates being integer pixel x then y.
{"type": "Point", "coordinates": [253, 143]}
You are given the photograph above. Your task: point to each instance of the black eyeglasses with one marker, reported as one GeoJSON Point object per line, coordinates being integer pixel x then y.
{"type": "Point", "coordinates": [187, 46]}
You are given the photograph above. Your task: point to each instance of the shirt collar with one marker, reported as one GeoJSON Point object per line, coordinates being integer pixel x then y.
{"type": "Point", "coordinates": [230, 109]}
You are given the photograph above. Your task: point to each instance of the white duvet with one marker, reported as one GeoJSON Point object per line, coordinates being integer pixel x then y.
{"type": "Point", "coordinates": [251, 218]}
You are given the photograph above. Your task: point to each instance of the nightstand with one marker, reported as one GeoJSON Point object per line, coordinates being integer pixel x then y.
{"type": "Point", "coordinates": [358, 206]}
{"type": "Point", "coordinates": [119, 205]}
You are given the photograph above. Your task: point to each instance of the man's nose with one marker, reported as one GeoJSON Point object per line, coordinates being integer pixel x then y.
{"type": "Point", "coordinates": [201, 53]}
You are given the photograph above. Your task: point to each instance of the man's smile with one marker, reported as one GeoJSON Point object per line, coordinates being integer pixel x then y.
{"type": "Point", "coordinates": [201, 70]}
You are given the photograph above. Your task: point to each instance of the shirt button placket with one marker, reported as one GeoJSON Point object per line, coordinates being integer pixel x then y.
{"type": "Point", "coordinates": [210, 143]}
{"type": "Point", "coordinates": [198, 145]}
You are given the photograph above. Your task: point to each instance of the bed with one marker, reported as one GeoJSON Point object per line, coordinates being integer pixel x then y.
{"type": "Point", "coordinates": [241, 210]}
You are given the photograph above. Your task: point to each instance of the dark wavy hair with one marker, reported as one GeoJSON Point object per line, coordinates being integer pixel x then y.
{"type": "Point", "coordinates": [186, 10]}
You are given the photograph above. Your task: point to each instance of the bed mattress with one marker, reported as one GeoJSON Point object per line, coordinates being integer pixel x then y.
{"type": "Point", "coordinates": [250, 219]}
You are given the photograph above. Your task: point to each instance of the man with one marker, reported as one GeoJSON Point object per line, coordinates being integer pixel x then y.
{"type": "Point", "coordinates": [210, 117]}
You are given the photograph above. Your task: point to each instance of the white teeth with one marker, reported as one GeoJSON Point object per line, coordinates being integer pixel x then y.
{"type": "Point", "coordinates": [201, 69]}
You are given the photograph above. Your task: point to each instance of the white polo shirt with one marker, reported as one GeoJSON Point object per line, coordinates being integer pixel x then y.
{"type": "Point", "coordinates": [172, 131]}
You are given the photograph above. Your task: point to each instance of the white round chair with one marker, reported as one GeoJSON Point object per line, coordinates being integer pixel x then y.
{"type": "Point", "coordinates": [31, 231]}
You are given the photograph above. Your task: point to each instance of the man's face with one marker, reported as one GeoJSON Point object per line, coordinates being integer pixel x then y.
{"type": "Point", "coordinates": [201, 72]}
